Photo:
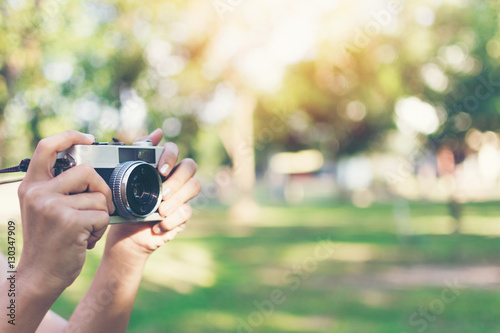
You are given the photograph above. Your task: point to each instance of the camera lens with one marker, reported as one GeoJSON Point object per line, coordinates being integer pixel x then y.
{"type": "Point", "coordinates": [136, 187]}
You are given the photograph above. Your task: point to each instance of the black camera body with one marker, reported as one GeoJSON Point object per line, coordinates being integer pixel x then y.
{"type": "Point", "coordinates": [130, 171]}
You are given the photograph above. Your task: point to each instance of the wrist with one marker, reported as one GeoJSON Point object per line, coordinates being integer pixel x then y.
{"type": "Point", "coordinates": [39, 283]}
{"type": "Point", "coordinates": [129, 241]}
{"type": "Point", "coordinates": [27, 299]}
{"type": "Point", "coordinates": [125, 252]}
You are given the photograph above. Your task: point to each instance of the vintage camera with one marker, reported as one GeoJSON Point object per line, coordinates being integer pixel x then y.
{"type": "Point", "coordinates": [130, 171]}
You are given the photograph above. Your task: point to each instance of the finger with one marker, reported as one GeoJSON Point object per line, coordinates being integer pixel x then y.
{"type": "Point", "coordinates": [86, 201]}
{"type": "Point", "coordinates": [155, 137]}
{"type": "Point", "coordinates": [170, 235]}
{"type": "Point", "coordinates": [79, 179]}
{"type": "Point", "coordinates": [178, 217]}
{"type": "Point", "coordinates": [168, 159]}
{"type": "Point", "coordinates": [45, 154]}
{"type": "Point", "coordinates": [182, 173]}
{"type": "Point", "coordinates": [186, 193]}
{"type": "Point", "coordinates": [95, 222]}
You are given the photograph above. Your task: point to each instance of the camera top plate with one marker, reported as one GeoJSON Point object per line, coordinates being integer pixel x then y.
{"type": "Point", "coordinates": [109, 155]}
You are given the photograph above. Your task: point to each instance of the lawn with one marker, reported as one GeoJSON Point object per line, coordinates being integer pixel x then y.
{"type": "Point", "coordinates": [322, 269]}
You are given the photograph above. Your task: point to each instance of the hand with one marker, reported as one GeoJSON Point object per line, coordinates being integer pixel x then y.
{"type": "Point", "coordinates": [62, 216]}
{"type": "Point", "coordinates": [178, 189]}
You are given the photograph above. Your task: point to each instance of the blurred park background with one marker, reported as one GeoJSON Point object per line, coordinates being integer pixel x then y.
{"type": "Point", "coordinates": [349, 151]}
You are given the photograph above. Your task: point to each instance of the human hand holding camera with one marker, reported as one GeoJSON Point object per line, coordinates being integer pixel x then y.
{"type": "Point", "coordinates": [67, 214]}
{"type": "Point", "coordinates": [133, 174]}
{"type": "Point", "coordinates": [141, 239]}
{"type": "Point", "coordinates": [95, 176]}
{"type": "Point", "coordinates": [128, 245]}
{"type": "Point", "coordinates": [62, 216]}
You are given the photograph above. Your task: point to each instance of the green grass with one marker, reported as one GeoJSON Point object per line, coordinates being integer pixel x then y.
{"type": "Point", "coordinates": [209, 278]}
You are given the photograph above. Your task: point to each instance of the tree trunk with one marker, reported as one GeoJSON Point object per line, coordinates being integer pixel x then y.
{"type": "Point", "coordinates": [241, 151]}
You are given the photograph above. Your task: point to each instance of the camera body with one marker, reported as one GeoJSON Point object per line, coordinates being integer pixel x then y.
{"type": "Point", "coordinates": [130, 171]}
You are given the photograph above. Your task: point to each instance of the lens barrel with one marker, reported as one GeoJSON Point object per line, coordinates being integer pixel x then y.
{"type": "Point", "coordinates": [136, 188]}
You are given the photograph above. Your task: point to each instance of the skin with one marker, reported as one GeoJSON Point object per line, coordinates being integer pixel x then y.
{"type": "Point", "coordinates": [77, 205]}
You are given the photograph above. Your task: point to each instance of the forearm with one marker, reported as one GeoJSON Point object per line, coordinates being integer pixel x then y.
{"type": "Point", "coordinates": [107, 305]}
{"type": "Point", "coordinates": [25, 300]}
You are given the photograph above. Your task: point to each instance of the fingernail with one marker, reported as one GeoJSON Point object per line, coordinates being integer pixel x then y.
{"type": "Point", "coordinates": [91, 137]}
{"type": "Point", "coordinates": [166, 193]}
{"type": "Point", "coordinates": [164, 169]}
{"type": "Point", "coordinates": [156, 229]}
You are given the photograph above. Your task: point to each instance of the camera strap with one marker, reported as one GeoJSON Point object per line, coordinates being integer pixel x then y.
{"type": "Point", "coordinates": [23, 166]}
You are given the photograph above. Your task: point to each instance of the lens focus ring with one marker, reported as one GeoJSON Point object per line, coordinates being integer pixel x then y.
{"type": "Point", "coordinates": [124, 181]}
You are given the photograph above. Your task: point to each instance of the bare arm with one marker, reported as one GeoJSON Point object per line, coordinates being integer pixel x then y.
{"type": "Point", "coordinates": [62, 217]}
{"type": "Point", "coordinates": [108, 303]}
{"type": "Point", "coordinates": [51, 322]}
{"type": "Point", "coordinates": [52, 260]}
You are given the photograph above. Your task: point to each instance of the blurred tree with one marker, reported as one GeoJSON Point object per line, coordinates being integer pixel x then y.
{"type": "Point", "coordinates": [320, 74]}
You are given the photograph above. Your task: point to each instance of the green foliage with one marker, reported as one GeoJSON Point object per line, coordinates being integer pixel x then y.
{"type": "Point", "coordinates": [166, 52]}
{"type": "Point", "coordinates": [343, 293]}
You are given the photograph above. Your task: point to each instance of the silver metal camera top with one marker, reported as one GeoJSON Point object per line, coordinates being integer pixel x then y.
{"type": "Point", "coordinates": [109, 156]}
